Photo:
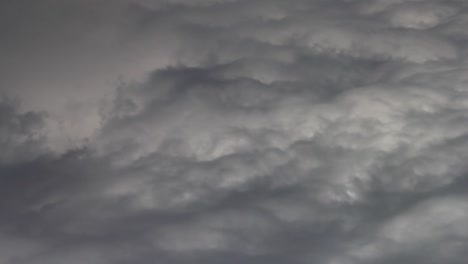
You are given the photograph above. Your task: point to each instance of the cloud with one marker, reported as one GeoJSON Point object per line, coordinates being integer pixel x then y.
{"type": "Point", "coordinates": [238, 131]}
{"type": "Point", "coordinates": [433, 229]}
{"type": "Point", "coordinates": [21, 133]}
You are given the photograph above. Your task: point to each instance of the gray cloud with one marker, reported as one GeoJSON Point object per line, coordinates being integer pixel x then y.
{"type": "Point", "coordinates": [331, 132]}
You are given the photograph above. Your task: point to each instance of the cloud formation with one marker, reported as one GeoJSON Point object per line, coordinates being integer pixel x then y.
{"type": "Point", "coordinates": [224, 131]}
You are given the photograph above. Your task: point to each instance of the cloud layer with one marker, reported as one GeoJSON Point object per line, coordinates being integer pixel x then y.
{"type": "Point", "coordinates": [224, 131]}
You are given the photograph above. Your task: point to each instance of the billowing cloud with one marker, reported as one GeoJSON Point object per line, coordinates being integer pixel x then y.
{"type": "Point", "coordinates": [224, 131]}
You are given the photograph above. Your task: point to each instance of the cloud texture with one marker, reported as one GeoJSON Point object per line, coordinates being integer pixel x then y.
{"type": "Point", "coordinates": [230, 131]}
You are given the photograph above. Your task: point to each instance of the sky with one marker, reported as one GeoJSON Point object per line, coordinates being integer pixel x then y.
{"type": "Point", "coordinates": [234, 131]}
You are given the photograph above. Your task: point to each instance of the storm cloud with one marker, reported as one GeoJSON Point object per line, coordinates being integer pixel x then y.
{"type": "Point", "coordinates": [231, 131]}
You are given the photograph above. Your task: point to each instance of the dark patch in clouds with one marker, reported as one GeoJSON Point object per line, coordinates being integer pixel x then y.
{"type": "Point", "coordinates": [224, 131]}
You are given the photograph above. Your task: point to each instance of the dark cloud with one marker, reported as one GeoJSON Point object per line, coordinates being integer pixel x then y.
{"type": "Point", "coordinates": [224, 131]}
{"type": "Point", "coordinates": [21, 133]}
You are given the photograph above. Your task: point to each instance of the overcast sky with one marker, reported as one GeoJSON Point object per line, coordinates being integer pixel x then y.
{"type": "Point", "coordinates": [234, 131]}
